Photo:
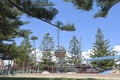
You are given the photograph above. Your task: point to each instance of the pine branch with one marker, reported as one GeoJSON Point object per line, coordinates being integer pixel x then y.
{"type": "Point", "coordinates": [68, 27]}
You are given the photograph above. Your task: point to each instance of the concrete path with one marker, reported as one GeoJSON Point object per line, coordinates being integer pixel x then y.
{"type": "Point", "coordinates": [73, 75]}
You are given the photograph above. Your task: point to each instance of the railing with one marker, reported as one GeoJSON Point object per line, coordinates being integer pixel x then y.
{"type": "Point", "coordinates": [6, 72]}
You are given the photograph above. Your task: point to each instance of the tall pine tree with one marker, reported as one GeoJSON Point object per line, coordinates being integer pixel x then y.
{"type": "Point", "coordinates": [75, 52]}
{"type": "Point", "coordinates": [47, 46]}
{"type": "Point", "coordinates": [27, 50]}
{"type": "Point", "coordinates": [9, 27]}
{"type": "Point", "coordinates": [101, 48]}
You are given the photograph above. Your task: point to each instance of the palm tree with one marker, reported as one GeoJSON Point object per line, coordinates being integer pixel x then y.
{"type": "Point", "coordinates": [34, 38]}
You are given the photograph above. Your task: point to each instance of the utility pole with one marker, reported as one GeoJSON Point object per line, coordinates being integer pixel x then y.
{"type": "Point", "coordinates": [80, 54]}
{"type": "Point", "coordinates": [58, 38]}
{"type": "Point", "coordinates": [60, 53]}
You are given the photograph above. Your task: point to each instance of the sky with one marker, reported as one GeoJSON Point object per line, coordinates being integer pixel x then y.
{"type": "Point", "coordinates": [85, 23]}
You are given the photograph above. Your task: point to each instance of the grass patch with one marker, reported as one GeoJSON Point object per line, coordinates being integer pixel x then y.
{"type": "Point", "coordinates": [28, 78]}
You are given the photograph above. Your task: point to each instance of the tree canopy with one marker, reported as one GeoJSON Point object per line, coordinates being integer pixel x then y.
{"type": "Point", "coordinates": [47, 47]}
{"type": "Point", "coordinates": [10, 29]}
{"type": "Point", "coordinates": [40, 9]}
{"type": "Point", "coordinates": [101, 48]}
{"type": "Point", "coordinates": [75, 51]}
{"type": "Point", "coordinates": [87, 5]}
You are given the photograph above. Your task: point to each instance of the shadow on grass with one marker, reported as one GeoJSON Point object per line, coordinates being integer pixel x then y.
{"type": "Point", "coordinates": [25, 78]}
{"type": "Point", "coordinates": [93, 79]}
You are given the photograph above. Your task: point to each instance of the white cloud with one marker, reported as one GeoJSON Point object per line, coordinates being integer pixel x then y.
{"type": "Point", "coordinates": [85, 54]}
{"type": "Point", "coordinates": [117, 48]}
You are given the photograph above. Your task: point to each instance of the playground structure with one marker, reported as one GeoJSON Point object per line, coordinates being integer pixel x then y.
{"type": "Point", "coordinates": [60, 54]}
{"type": "Point", "coordinates": [104, 58]}
{"type": "Point", "coordinates": [112, 70]}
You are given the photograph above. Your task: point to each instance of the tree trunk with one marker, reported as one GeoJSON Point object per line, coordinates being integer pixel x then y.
{"type": "Point", "coordinates": [2, 64]}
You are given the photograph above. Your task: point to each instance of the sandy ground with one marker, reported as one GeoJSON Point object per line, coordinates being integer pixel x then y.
{"type": "Point", "coordinates": [73, 75]}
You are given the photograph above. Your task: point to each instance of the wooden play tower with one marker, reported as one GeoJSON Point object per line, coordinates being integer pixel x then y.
{"type": "Point", "coordinates": [60, 54]}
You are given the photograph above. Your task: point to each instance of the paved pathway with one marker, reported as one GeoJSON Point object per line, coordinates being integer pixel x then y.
{"type": "Point", "coordinates": [73, 75]}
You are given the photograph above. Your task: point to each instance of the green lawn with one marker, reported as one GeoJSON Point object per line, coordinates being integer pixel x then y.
{"type": "Point", "coordinates": [26, 78]}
